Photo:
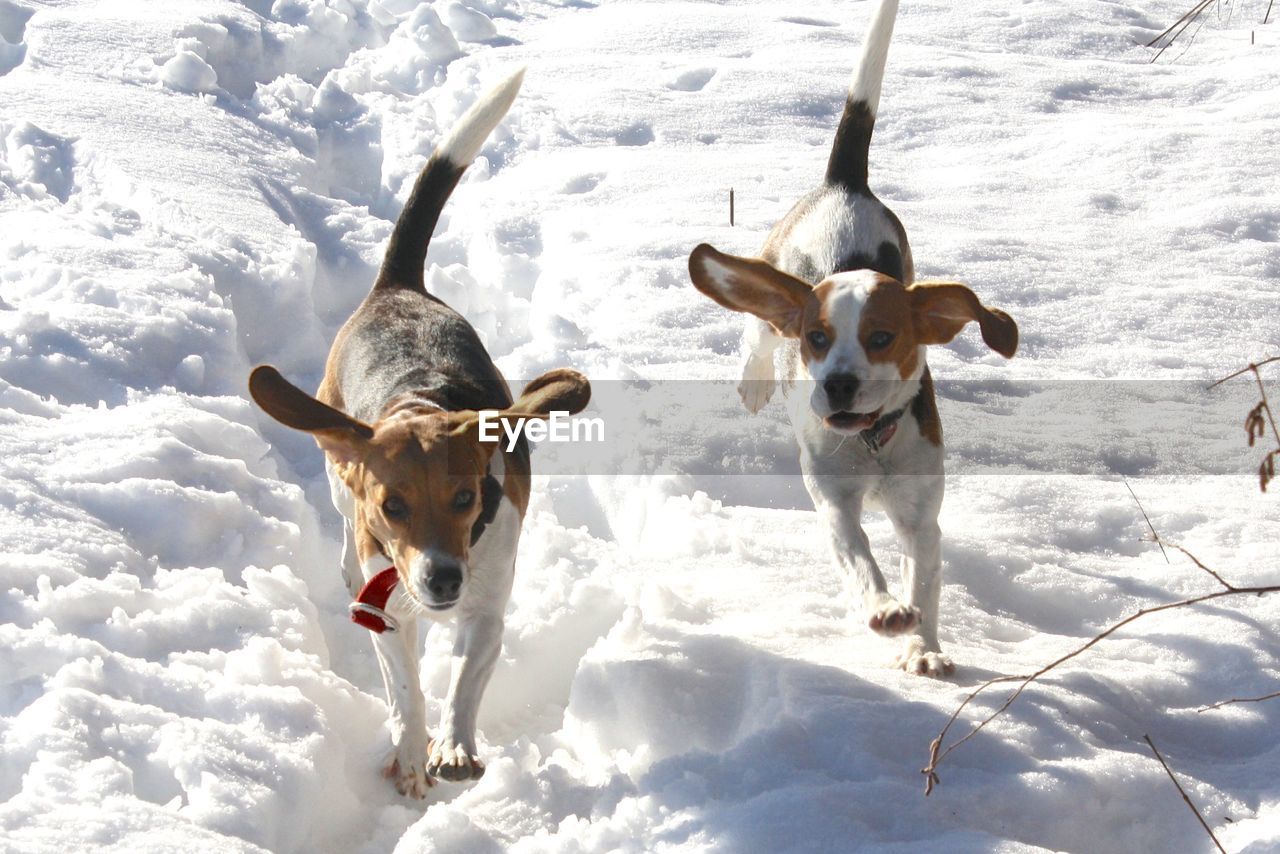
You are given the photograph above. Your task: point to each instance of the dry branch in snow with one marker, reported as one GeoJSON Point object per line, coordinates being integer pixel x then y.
{"type": "Point", "coordinates": [1273, 695]}
{"type": "Point", "coordinates": [937, 753]}
{"type": "Point", "coordinates": [1180, 26]}
{"type": "Point", "coordinates": [1183, 792]}
{"type": "Point", "coordinates": [1258, 419]}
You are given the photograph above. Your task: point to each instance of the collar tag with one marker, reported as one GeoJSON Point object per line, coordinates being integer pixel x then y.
{"type": "Point", "coordinates": [879, 434]}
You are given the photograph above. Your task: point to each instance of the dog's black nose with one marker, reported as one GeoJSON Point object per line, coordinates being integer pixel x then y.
{"type": "Point", "coordinates": [840, 389]}
{"type": "Point", "coordinates": [445, 581]}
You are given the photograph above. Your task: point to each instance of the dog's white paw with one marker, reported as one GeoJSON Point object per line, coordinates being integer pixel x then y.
{"type": "Point", "coordinates": [890, 617]}
{"type": "Point", "coordinates": [406, 767]}
{"type": "Point", "coordinates": [757, 383]}
{"type": "Point", "coordinates": [914, 658]}
{"type": "Point", "coordinates": [449, 761]}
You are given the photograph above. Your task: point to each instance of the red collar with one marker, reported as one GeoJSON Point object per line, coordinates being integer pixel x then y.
{"type": "Point", "coordinates": [369, 608]}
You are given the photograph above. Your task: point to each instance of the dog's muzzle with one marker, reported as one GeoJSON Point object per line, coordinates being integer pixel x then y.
{"type": "Point", "coordinates": [441, 585]}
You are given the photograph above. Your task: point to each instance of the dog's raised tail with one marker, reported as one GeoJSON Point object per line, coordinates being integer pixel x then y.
{"type": "Point", "coordinates": [402, 267]}
{"type": "Point", "coordinates": [848, 164]}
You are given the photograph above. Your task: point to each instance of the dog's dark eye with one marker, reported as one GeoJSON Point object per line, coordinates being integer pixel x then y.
{"type": "Point", "coordinates": [394, 507]}
{"type": "Point", "coordinates": [818, 339]}
{"type": "Point", "coordinates": [879, 340]}
{"type": "Point", "coordinates": [464, 499]}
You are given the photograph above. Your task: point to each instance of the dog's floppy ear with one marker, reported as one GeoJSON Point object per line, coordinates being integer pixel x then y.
{"type": "Point", "coordinates": [750, 285]}
{"type": "Point", "coordinates": [335, 431]}
{"type": "Point", "coordinates": [559, 390]}
{"type": "Point", "coordinates": [941, 309]}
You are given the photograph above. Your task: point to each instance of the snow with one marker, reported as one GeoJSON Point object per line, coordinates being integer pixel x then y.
{"type": "Point", "coordinates": [191, 188]}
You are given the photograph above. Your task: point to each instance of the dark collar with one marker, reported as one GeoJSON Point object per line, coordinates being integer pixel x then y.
{"type": "Point", "coordinates": [878, 435]}
{"type": "Point", "coordinates": [490, 498]}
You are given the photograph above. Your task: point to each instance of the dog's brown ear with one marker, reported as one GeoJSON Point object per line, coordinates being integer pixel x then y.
{"type": "Point", "coordinates": [559, 390]}
{"type": "Point", "coordinates": [750, 285]}
{"type": "Point", "coordinates": [335, 431]}
{"type": "Point", "coordinates": [941, 309]}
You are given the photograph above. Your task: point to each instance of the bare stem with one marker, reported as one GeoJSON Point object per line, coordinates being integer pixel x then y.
{"type": "Point", "coordinates": [1152, 528]}
{"type": "Point", "coordinates": [1252, 366]}
{"type": "Point", "coordinates": [937, 754]}
{"type": "Point", "coordinates": [1183, 792]}
{"type": "Point", "coordinates": [1261, 699]}
{"type": "Point", "coordinates": [1266, 405]}
{"type": "Point", "coordinates": [1185, 21]}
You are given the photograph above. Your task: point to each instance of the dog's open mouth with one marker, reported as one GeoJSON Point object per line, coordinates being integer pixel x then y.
{"type": "Point", "coordinates": [440, 606]}
{"type": "Point", "coordinates": [852, 422]}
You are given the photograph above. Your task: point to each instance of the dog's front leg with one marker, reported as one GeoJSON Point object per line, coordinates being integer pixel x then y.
{"type": "Point", "coordinates": [922, 581]}
{"type": "Point", "coordinates": [913, 503]}
{"type": "Point", "coordinates": [885, 614]}
{"type": "Point", "coordinates": [475, 651]}
{"type": "Point", "coordinates": [397, 657]}
{"type": "Point", "coordinates": [350, 559]}
{"type": "Point", "coordinates": [759, 344]}
{"type": "Point", "coordinates": [345, 503]}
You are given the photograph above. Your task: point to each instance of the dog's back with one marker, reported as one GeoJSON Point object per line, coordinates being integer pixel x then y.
{"type": "Point", "coordinates": [402, 339]}
{"type": "Point", "coordinates": [842, 225]}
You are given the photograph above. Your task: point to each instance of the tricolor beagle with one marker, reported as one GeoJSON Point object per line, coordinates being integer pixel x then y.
{"type": "Point", "coordinates": [835, 281]}
{"type": "Point", "coordinates": [432, 514]}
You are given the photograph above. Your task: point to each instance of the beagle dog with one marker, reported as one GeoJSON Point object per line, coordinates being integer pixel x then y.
{"type": "Point", "coordinates": [833, 294]}
{"type": "Point", "coordinates": [431, 512]}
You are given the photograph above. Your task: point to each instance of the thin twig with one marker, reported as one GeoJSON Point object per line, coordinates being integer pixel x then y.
{"type": "Point", "coordinates": [937, 754]}
{"type": "Point", "coordinates": [1230, 588]}
{"type": "Point", "coordinates": [1195, 10]}
{"type": "Point", "coordinates": [1266, 405]}
{"type": "Point", "coordinates": [1183, 792]}
{"type": "Point", "coordinates": [1252, 366]}
{"type": "Point", "coordinates": [1261, 699]}
{"type": "Point", "coordinates": [936, 744]}
{"type": "Point", "coordinates": [1258, 419]}
{"type": "Point", "coordinates": [1268, 15]}
{"type": "Point", "coordinates": [1186, 20]}
{"type": "Point", "coordinates": [1154, 535]}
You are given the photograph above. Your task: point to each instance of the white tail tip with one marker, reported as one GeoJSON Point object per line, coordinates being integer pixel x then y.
{"type": "Point", "coordinates": [465, 138]}
{"type": "Point", "coordinates": [869, 74]}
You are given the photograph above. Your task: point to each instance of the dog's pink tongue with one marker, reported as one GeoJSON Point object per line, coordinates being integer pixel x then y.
{"type": "Point", "coordinates": [847, 421]}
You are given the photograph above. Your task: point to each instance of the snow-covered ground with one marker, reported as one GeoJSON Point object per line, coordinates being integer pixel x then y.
{"type": "Point", "coordinates": [190, 188]}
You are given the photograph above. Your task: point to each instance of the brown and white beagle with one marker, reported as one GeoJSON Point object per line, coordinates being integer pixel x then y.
{"type": "Point", "coordinates": [834, 293]}
{"type": "Point", "coordinates": [432, 514]}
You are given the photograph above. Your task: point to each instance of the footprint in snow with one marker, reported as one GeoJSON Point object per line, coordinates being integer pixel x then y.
{"type": "Point", "coordinates": [807, 22]}
{"type": "Point", "coordinates": [583, 183]}
{"type": "Point", "coordinates": [692, 80]}
{"type": "Point", "coordinates": [639, 133]}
